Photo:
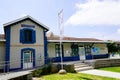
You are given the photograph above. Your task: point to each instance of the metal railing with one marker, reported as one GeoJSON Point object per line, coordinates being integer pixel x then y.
{"type": "Point", "coordinates": [15, 65]}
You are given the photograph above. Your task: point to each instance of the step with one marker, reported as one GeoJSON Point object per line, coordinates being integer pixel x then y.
{"type": "Point", "coordinates": [83, 68]}
{"type": "Point", "coordinates": [79, 66]}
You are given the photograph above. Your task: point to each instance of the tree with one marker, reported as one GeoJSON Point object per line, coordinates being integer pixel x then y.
{"type": "Point", "coordinates": [112, 47]}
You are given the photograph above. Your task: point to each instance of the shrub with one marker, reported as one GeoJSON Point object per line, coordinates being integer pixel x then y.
{"type": "Point", "coordinates": [46, 69]}
{"type": "Point", "coordinates": [69, 68]}
{"type": "Point", "coordinates": [36, 73]}
{"type": "Point", "coordinates": [54, 69]}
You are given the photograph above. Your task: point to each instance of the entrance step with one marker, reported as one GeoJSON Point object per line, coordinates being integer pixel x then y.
{"type": "Point", "coordinates": [82, 67]}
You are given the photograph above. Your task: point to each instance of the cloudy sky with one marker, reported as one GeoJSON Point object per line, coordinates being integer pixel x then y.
{"type": "Point", "coordinates": [82, 18]}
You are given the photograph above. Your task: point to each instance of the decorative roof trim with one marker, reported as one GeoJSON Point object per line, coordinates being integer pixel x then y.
{"type": "Point", "coordinates": [25, 17]}
{"type": "Point", "coordinates": [77, 41]}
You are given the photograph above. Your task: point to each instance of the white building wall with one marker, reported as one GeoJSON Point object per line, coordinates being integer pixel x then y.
{"type": "Point", "coordinates": [102, 48]}
{"type": "Point", "coordinates": [51, 50]}
{"type": "Point", "coordinates": [67, 49]}
{"type": "Point", "coordinates": [16, 46]}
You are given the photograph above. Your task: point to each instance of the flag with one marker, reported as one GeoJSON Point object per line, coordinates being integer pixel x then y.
{"type": "Point", "coordinates": [60, 19]}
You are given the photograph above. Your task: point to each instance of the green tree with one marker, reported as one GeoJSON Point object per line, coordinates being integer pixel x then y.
{"type": "Point", "coordinates": [112, 47]}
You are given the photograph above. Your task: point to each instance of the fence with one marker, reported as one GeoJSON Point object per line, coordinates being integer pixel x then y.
{"type": "Point", "coordinates": [24, 64]}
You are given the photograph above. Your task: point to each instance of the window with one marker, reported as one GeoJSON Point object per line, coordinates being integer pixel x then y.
{"type": "Point", "coordinates": [27, 36]}
{"type": "Point", "coordinates": [27, 56]}
{"type": "Point", "coordinates": [74, 49]}
{"type": "Point", "coordinates": [57, 50]}
{"type": "Point", "coordinates": [87, 50]}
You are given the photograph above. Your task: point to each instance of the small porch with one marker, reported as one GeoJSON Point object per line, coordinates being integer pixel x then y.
{"type": "Point", "coordinates": [77, 51]}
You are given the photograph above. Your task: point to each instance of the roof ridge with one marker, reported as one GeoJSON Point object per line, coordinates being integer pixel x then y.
{"type": "Point", "coordinates": [25, 17]}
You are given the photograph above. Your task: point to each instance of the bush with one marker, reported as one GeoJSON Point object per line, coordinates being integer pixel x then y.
{"type": "Point", "coordinates": [52, 68]}
{"type": "Point", "coordinates": [69, 68]}
{"type": "Point", "coordinates": [36, 73]}
{"type": "Point", "coordinates": [46, 69]}
{"type": "Point", "coordinates": [43, 71]}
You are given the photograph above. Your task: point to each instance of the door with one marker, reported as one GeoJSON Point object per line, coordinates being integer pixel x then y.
{"type": "Point", "coordinates": [82, 53]}
{"type": "Point", "coordinates": [27, 59]}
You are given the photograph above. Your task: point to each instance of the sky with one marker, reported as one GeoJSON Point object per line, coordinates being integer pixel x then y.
{"type": "Point", "coordinates": [82, 18]}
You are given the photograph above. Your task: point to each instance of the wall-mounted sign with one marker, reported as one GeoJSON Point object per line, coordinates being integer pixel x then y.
{"type": "Point", "coordinates": [27, 25]}
{"type": "Point", "coordinates": [95, 50]}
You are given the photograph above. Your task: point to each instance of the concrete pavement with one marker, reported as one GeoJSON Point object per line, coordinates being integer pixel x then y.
{"type": "Point", "coordinates": [102, 73]}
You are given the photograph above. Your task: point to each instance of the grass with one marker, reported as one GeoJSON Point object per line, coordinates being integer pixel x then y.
{"type": "Point", "coordinates": [113, 69]}
{"type": "Point", "coordinates": [73, 76]}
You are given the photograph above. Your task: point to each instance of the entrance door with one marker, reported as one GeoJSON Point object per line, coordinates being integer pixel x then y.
{"type": "Point", "coordinates": [27, 59]}
{"type": "Point", "coordinates": [82, 53]}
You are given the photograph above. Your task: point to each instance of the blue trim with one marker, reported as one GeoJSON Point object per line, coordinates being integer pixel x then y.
{"type": "Point", "coordinates": [88, 57]}
{"type": "Point", "coordinates": [31, 49]}
{"type": "Point", "coordinates": [33, 36]}
{"type": "Point", "coordinates": [15, 69]}
{"type": "Point", "coordinates": [73, 58]}
{"type": "Point", "coordinates": [99, 56]}
{"type": "Point", "coordinates": [45, 48]}
{"type": "Point", "coordinates": [22, 40]}
{"type": "Point", "coordinates": [7, 54]}
{"type": "Point", "coordinates": [58, 59]}
{"type": "Point", "coordinates": [76, 58]}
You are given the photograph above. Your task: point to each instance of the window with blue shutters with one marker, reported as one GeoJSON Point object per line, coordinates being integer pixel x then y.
{"type": "Point", "coordinates": [27, 36]}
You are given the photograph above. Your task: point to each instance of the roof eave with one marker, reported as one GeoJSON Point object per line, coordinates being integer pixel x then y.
{"type": "Point", "coordinates": [25, 17]}
{"type": "Point", "coordinates": [77, 41]}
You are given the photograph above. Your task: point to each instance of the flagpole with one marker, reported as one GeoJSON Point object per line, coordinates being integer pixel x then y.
{"type": "Point", "coordinates": [61, 53]}
{"type": "Point", "coordinates": [60, 20]}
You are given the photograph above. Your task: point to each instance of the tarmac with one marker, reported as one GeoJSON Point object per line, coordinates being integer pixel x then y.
{"type": "Point", "coordinates": [102, 73]}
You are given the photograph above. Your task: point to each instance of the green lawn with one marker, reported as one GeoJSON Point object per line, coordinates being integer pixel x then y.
{"type": "Point", "coordinates": [113, 69]}
{"type": "Point", "coordinates": [73, 76]}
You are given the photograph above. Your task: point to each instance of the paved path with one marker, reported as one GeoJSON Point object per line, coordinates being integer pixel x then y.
{"type": "Point", "coordinates": [7, 76]}
{"type": "Point", "coordinates": [102, 73]}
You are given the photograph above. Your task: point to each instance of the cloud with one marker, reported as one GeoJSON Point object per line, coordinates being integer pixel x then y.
{"type": "Point", "coordinates": [102, 36]}
{"type": "Point", "coordinates": [95, 12]}
{"type": "Point", "coordinates": [22, 15]}
{"type": "Point", "coordinates": [114, 36]}
{"type": "Point", "coordinates": [118, 31]}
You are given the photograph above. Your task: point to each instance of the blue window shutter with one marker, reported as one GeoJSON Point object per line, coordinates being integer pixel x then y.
{"type": "Point", "coordinates": [33, 36]}
{"type": "Point", "coordinates": [21, 36]}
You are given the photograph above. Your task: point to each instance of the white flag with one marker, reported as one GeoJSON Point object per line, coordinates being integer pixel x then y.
{"type": "Point", "coordinates": [60, 17]}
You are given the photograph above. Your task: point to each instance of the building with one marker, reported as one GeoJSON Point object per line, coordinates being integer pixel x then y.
{"type": "Point", "coordinates": [25, 45]}
{"type": "Point", "coordinates": [74, 49]}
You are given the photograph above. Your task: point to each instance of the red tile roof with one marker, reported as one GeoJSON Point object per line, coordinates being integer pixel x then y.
{"type": "Point", "coordinates": [53, 38]}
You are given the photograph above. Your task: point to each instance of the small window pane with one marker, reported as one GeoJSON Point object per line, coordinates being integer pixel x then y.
{"type": "Point", "coordinates": [57, 50]}
{"type": "Point", "coordinates": [28, 35]}
{"type": "Point", "coordinates": [74, 49]}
